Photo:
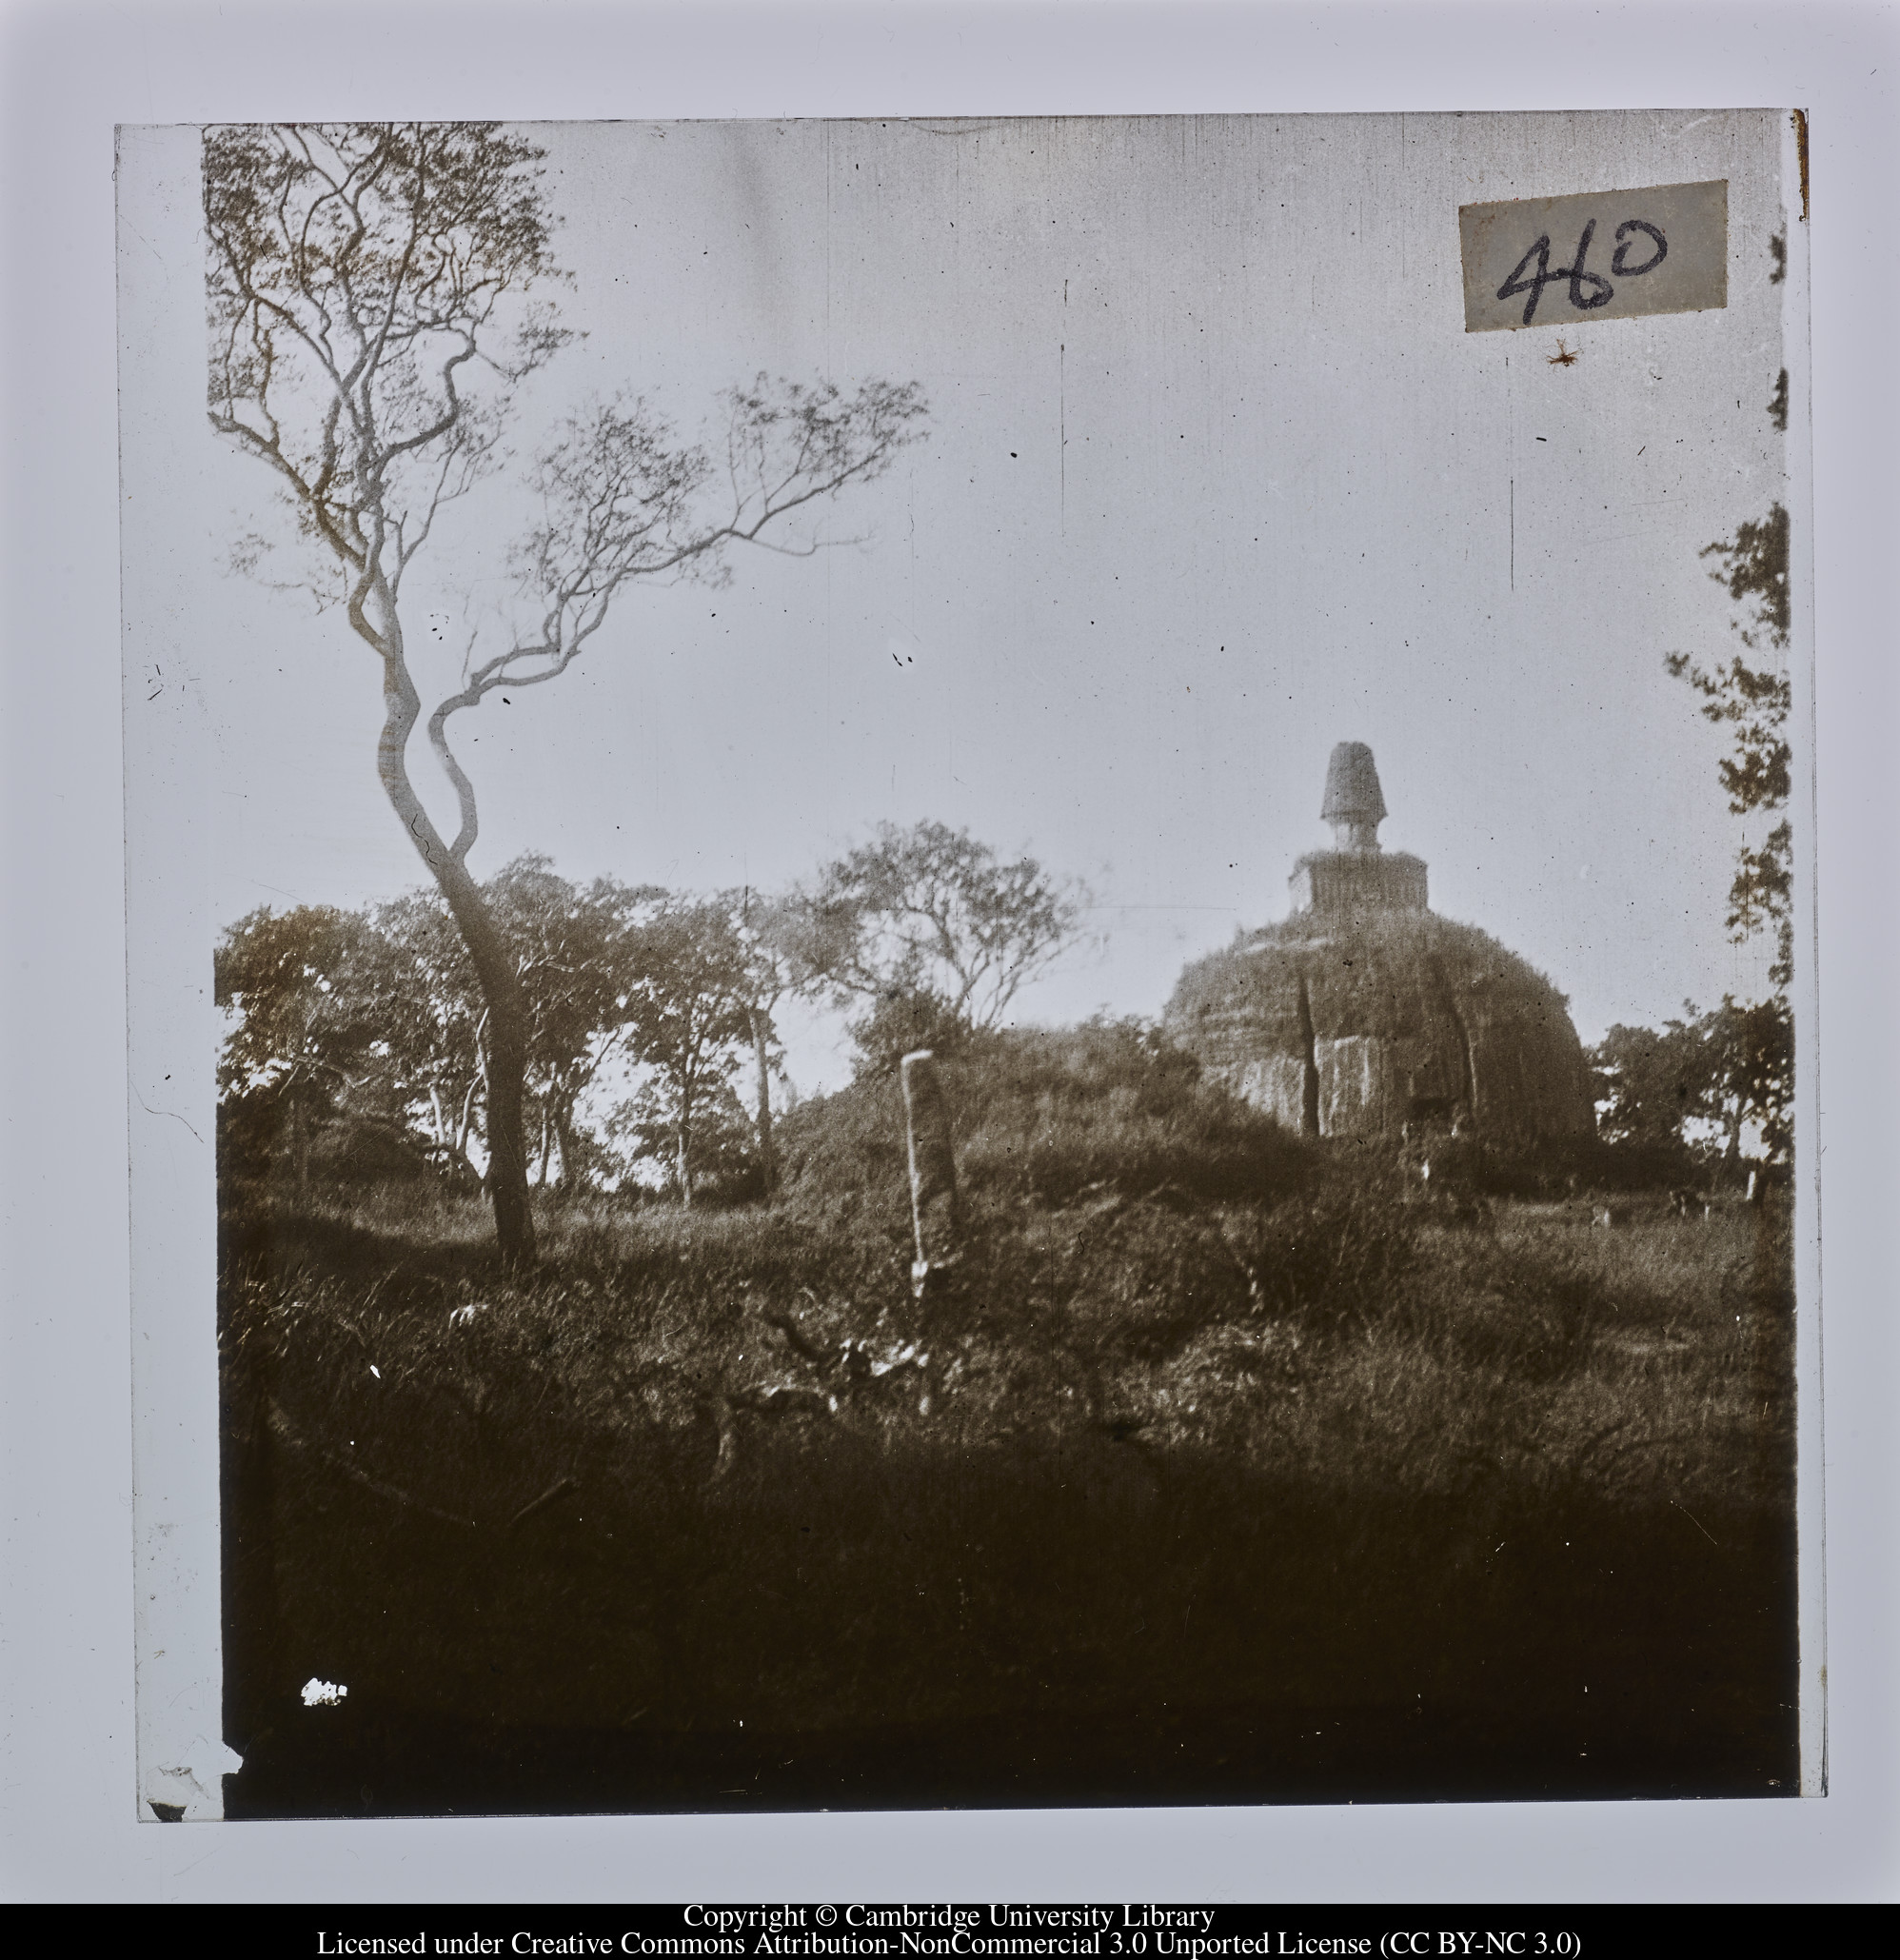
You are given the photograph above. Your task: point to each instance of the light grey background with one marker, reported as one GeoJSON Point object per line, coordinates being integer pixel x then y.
{"type": "Point", "coordinates": [67, 1469]}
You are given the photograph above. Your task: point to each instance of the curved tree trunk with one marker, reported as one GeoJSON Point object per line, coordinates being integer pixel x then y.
{"type": "Point", "coordinates": [488, 950]}
{"type": "Point", "coordinates": [493, 960]}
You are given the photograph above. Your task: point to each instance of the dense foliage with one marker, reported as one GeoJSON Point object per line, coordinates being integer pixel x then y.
{"type": "Point", "coordinates": [1752, 698]}
{"type": "Point", "coordinates": [1702, 1083]}
{"type": "Point", "coordinates": [648, 1031]}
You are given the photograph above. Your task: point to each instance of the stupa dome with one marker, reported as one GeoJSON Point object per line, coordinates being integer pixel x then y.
{"type": "Point", "coordinates": [1364, 1014]}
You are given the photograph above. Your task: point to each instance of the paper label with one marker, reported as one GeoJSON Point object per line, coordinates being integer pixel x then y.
{"type": "Point", "coordinates": [1599, 256]}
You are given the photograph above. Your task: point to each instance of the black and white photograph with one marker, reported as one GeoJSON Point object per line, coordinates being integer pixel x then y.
{"type": "Point", "coordinates": [974, 960]}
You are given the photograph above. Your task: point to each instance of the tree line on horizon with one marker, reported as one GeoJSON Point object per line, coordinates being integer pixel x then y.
{"type": "Point", "coordinates": [652, 1039]}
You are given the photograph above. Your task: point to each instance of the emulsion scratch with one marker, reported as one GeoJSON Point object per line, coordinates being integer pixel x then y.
{"type": "Point", "coordinates": [1062, 427]}
{"type": "Point", "coordinates": [171, 1113]}
{"type": "Point", "coordinates": [828, 190]}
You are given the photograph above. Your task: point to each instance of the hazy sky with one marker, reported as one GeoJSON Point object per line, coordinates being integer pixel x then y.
{"type": "Point", "coordinates": [1215, 479]}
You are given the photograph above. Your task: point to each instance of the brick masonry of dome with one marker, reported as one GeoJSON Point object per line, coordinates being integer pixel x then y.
{"type": "Point", "coordinates": [1355, 1026]}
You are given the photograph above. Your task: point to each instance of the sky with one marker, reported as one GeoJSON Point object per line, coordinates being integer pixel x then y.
{"type": "Point", "coordinates": [1213, 479]}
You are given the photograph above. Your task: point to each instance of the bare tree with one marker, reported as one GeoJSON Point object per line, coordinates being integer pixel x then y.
{"type": "Point", "coordinates": [370, 321]}
{"type": "Point", "coordinates": [930, 911]}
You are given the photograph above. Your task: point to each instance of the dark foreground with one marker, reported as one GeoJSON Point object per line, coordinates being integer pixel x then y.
{"type": "Point", "coordinates": [1666, 1675]}
{"type": "Point", "coordinates": [1230, 1473]}
{"type": "Point", "coordinates": [1241, 1566]}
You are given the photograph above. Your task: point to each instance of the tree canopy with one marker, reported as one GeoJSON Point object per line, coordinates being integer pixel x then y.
{"type": "Point", "coordinates": [1752, 697]}
{"type": "Point", "coordinates": [690, 1008]}
{"type": "Point", "coordinates": [929, 915]}
{"type": "Point", "coordinates": [1701, 1079]}
{"type": "Point", "coordinates": [377, 1014]}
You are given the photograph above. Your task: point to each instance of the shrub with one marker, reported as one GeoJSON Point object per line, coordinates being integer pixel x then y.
{"type": "Point", "coordinates": [1521, 1312]}
{"type": "Point", "coordinates": [1556, 1168]}
{"type": "Point", "coordinates": [1128, 1282]}
{"type": "Point", "coordinates": [1340, 1255]}
{"type": "Point", "coordinates": [904, 1019]}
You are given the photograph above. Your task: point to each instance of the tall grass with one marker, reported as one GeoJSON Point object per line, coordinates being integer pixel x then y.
{"type": "Point", "coordinates": [1210, 1422]}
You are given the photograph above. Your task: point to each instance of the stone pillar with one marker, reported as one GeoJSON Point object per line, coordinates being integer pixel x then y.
{"type": "Point", "coordinates": [933, 1173]}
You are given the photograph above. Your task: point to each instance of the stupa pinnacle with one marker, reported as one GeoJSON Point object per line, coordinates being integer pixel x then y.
{"type": "Point", "coordinates": [1355, 805]}
{"type": "Point", "coordinates": [1357, 874]}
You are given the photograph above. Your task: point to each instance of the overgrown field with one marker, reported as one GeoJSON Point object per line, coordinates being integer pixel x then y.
{"type": "Point", "coordinates": [1226, 1472]}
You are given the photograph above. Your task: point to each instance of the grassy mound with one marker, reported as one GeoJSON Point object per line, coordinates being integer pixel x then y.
{"type": "Point", "coordinates": [1041, 1116]}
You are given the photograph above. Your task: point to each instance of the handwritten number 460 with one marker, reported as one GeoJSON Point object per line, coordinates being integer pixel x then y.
{"type": "Point", "coordinates": [1601, 292]}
